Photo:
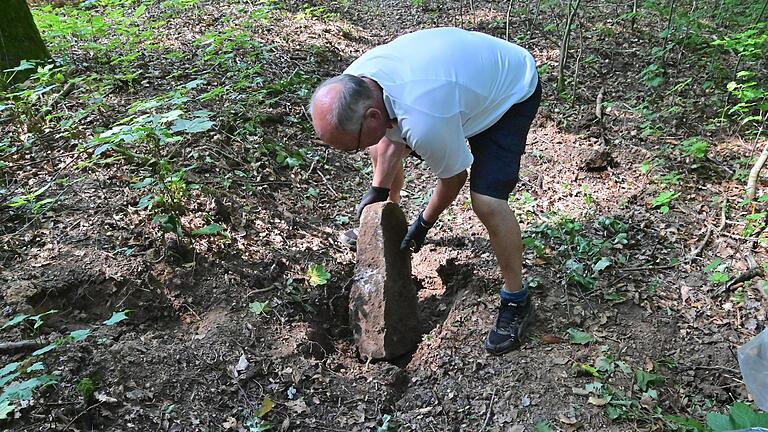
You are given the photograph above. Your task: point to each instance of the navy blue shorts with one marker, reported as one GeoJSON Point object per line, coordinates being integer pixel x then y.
{"type": "Point", "coordinates": [498, 149]}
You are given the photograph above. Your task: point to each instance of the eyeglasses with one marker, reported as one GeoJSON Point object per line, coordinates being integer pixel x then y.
{"type": "Point", "coordinates": [359, 137]}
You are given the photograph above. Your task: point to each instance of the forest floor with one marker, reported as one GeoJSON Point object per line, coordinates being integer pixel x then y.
{"type": "Point", "coordinates": [638, 311]}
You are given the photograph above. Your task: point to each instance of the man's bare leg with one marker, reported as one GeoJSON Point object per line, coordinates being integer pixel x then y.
{"type": "Point", "coordinates": [504, 233]}
{"type": "Point", "coordinates": [515, 308]}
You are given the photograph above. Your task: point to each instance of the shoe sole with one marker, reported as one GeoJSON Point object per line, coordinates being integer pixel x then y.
{"type": "Point", "coordinates": [522, 332]}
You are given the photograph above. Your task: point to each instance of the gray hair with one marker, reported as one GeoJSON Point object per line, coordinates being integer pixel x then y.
{"type": "Point", "coordinates": [352, 101]}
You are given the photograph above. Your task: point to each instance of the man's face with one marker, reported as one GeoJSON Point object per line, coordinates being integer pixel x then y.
{"type": "Point", "coordinates": [338, 139]}
{"type": "Point", "coordinates": [334, 137]}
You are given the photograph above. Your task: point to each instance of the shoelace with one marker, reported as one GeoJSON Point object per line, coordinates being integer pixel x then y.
{"type": "Point", "coordinates": [508, 315]}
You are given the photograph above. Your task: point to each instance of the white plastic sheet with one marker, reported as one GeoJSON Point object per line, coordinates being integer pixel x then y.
{"type": "Point", "coordinates": [753, 361]}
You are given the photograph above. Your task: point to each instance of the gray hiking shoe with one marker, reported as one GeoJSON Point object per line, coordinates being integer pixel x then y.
{"type": "Point", "coordinates": [349, 238]}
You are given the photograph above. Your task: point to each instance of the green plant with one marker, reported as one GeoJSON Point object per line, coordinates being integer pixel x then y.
{"type": "Point", "coordinates": [747, 88]}
{"type": "Point", "coordinates": [385, 426]}
{"type": "Point", "coordinates": [646, 379]}
{"type": "Point", "coordinates": [30, 201]}
{"type": "Point", "coordinates": [653, 75]}
{"type": "Point", "coordinates": [740, 416]}
{"type": "Point", "coordinates": [754, 222]}
{"type": "Point", "coordinates": [20, 379]}
{"type": "Point", "coordinates": [588, 198]}
{"type": "Point", "coordinates": [738, 296]}
{"type": "Point", "coordinates": [117, 317]}
{"type": "Point", "coordinates": [317, 275]}
{"type": "Point", "coordinates": [36, 320]}
{"type": "Point", "coordinates": [717, 271]}
{"type": "Point", "coordinates": [28, 101]}
{"type": "Point", "coordinates": [149, 138]}
{"type": "Point", "coordinates": [663, 200]}
{"type": "Point", "coordinates": [256, 423]}
{"type": "Point", "coordinates": [534, 244]}
{"type": "Point", "coordinates": [86, 387]}
{"type": "Point", "coordinates": [259, 307]}
{"type": "Point", "coordinates": [579, 337]}
{"type": "Point", "coordinates": [647, 166]}
{"type": "Point", "coordinates": [695, 147]}
{"type": "Point", "coordinates": [584, 258]}
{"type": "Point", "coordinates": [318, 12]}
{"type": "Point", "coordinates": [671, 178]}
{"type": "Point", "coordinates": [524, 205]}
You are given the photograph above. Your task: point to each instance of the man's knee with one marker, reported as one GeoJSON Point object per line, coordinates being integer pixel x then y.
{"type": "Point", "coordinates": [488, 208]}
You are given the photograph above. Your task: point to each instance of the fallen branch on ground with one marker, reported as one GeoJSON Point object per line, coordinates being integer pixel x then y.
{"type": "Point", "coordinates": [703, 243]}
{"type": "Point", "coordinates": [749, 274]}
{"type": "Point", "coordinates": [20, 346]}
{"type": "Point", "coordinates": [661, 267]}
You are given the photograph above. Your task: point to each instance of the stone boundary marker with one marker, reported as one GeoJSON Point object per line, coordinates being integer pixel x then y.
{"type": "Point", "coordinates": [383, 306]}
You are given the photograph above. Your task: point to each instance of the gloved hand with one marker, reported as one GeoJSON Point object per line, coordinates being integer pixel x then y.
{"type": "Point", "coordinates": [375, 194]}
{"type": "Point", "coordinates": [417, 232]}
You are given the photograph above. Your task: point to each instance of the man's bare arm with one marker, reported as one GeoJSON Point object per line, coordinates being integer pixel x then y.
{"type": "Point", "coordinates": [387, 157]}
{"type": "Point", "coordinates": [445, 192]}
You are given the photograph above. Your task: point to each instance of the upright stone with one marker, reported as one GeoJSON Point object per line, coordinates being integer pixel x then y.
{"type": "Point", "coordinates": [384, 309]}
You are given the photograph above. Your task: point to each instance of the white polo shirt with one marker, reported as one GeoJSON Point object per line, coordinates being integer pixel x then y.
{"type": "Point", "coordinates": [445, 85]}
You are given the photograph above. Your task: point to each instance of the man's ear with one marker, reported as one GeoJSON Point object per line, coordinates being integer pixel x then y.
{"type": "Point", "coordinates": [374, 114]}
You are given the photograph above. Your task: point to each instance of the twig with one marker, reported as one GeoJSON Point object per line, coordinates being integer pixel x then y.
{"type": "Point", "coordinates": [68, 88]}
{"type": "Point", "coordinates": [488, 411]}
{"type": "Point", "coordinates": [192, 310]}
{"type": "Point", "coordinates": [750, 274]}
{"type": "Point", "coordinates": [736, 237]}
{"type": "Point", "coordinates": [723, 209]}
{"type": "Point", "coordinates": [754, 173]}
{"type": "Point", "coordinates": [325, 159]}
{"type": "Point", "coordinates": [162, 257]}
{"type": "Point", "coordinates": [509, 12]}
{"type": "Point", "coordinates": [53, 179]}
{"type": "Point", "coordinates": [661, 267]}
{"type": "Point", "coordinates": [81, 414]}
{"type": "Point", "coordinates": [329, 429]}
{"type": "Point", "coordinates": [724, 368]}
{"type": "Point", "coordinates": [703, 243]}
{"type": "Point", "coordinates": [327, 183]}
{"type": "Point", "coordinates": [226, 154]}
{"type": "Point", "coordinates": [263, 183]}
{"type": "Point", "coordinates": [20, 346]}
{"type": "Point", "coordinates": [578, 65]}
{"type": "Point", "coordinates": [37, 161]}
{"type": "Point", "coordinates": [262, 290]}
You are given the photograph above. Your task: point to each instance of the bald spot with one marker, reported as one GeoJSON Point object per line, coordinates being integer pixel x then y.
{"type": "Point", "coordinates": [322, 106]}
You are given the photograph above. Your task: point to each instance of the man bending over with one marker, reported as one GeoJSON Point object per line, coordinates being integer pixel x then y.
{"type": "Point", "coordinates": [427, 93]}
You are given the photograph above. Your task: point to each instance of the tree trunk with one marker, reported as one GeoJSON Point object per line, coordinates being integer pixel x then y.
{"type": "Point", "coordinates": [19, 37]}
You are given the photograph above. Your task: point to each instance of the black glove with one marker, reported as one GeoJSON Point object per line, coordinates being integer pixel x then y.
{"type": "Point", "coordinates": [416, 234]}
{"type": "Point", "coordinates": [375, 194]}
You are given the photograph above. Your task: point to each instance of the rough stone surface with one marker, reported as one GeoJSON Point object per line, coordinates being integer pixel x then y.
{"type": "Point", "coordinates": [384, 310]}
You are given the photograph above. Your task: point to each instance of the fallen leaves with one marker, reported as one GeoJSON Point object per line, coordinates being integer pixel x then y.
{"type": "Point", "coordinates": [596, 401]}
{"type": "Point", "coordinates": [551, 340]}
